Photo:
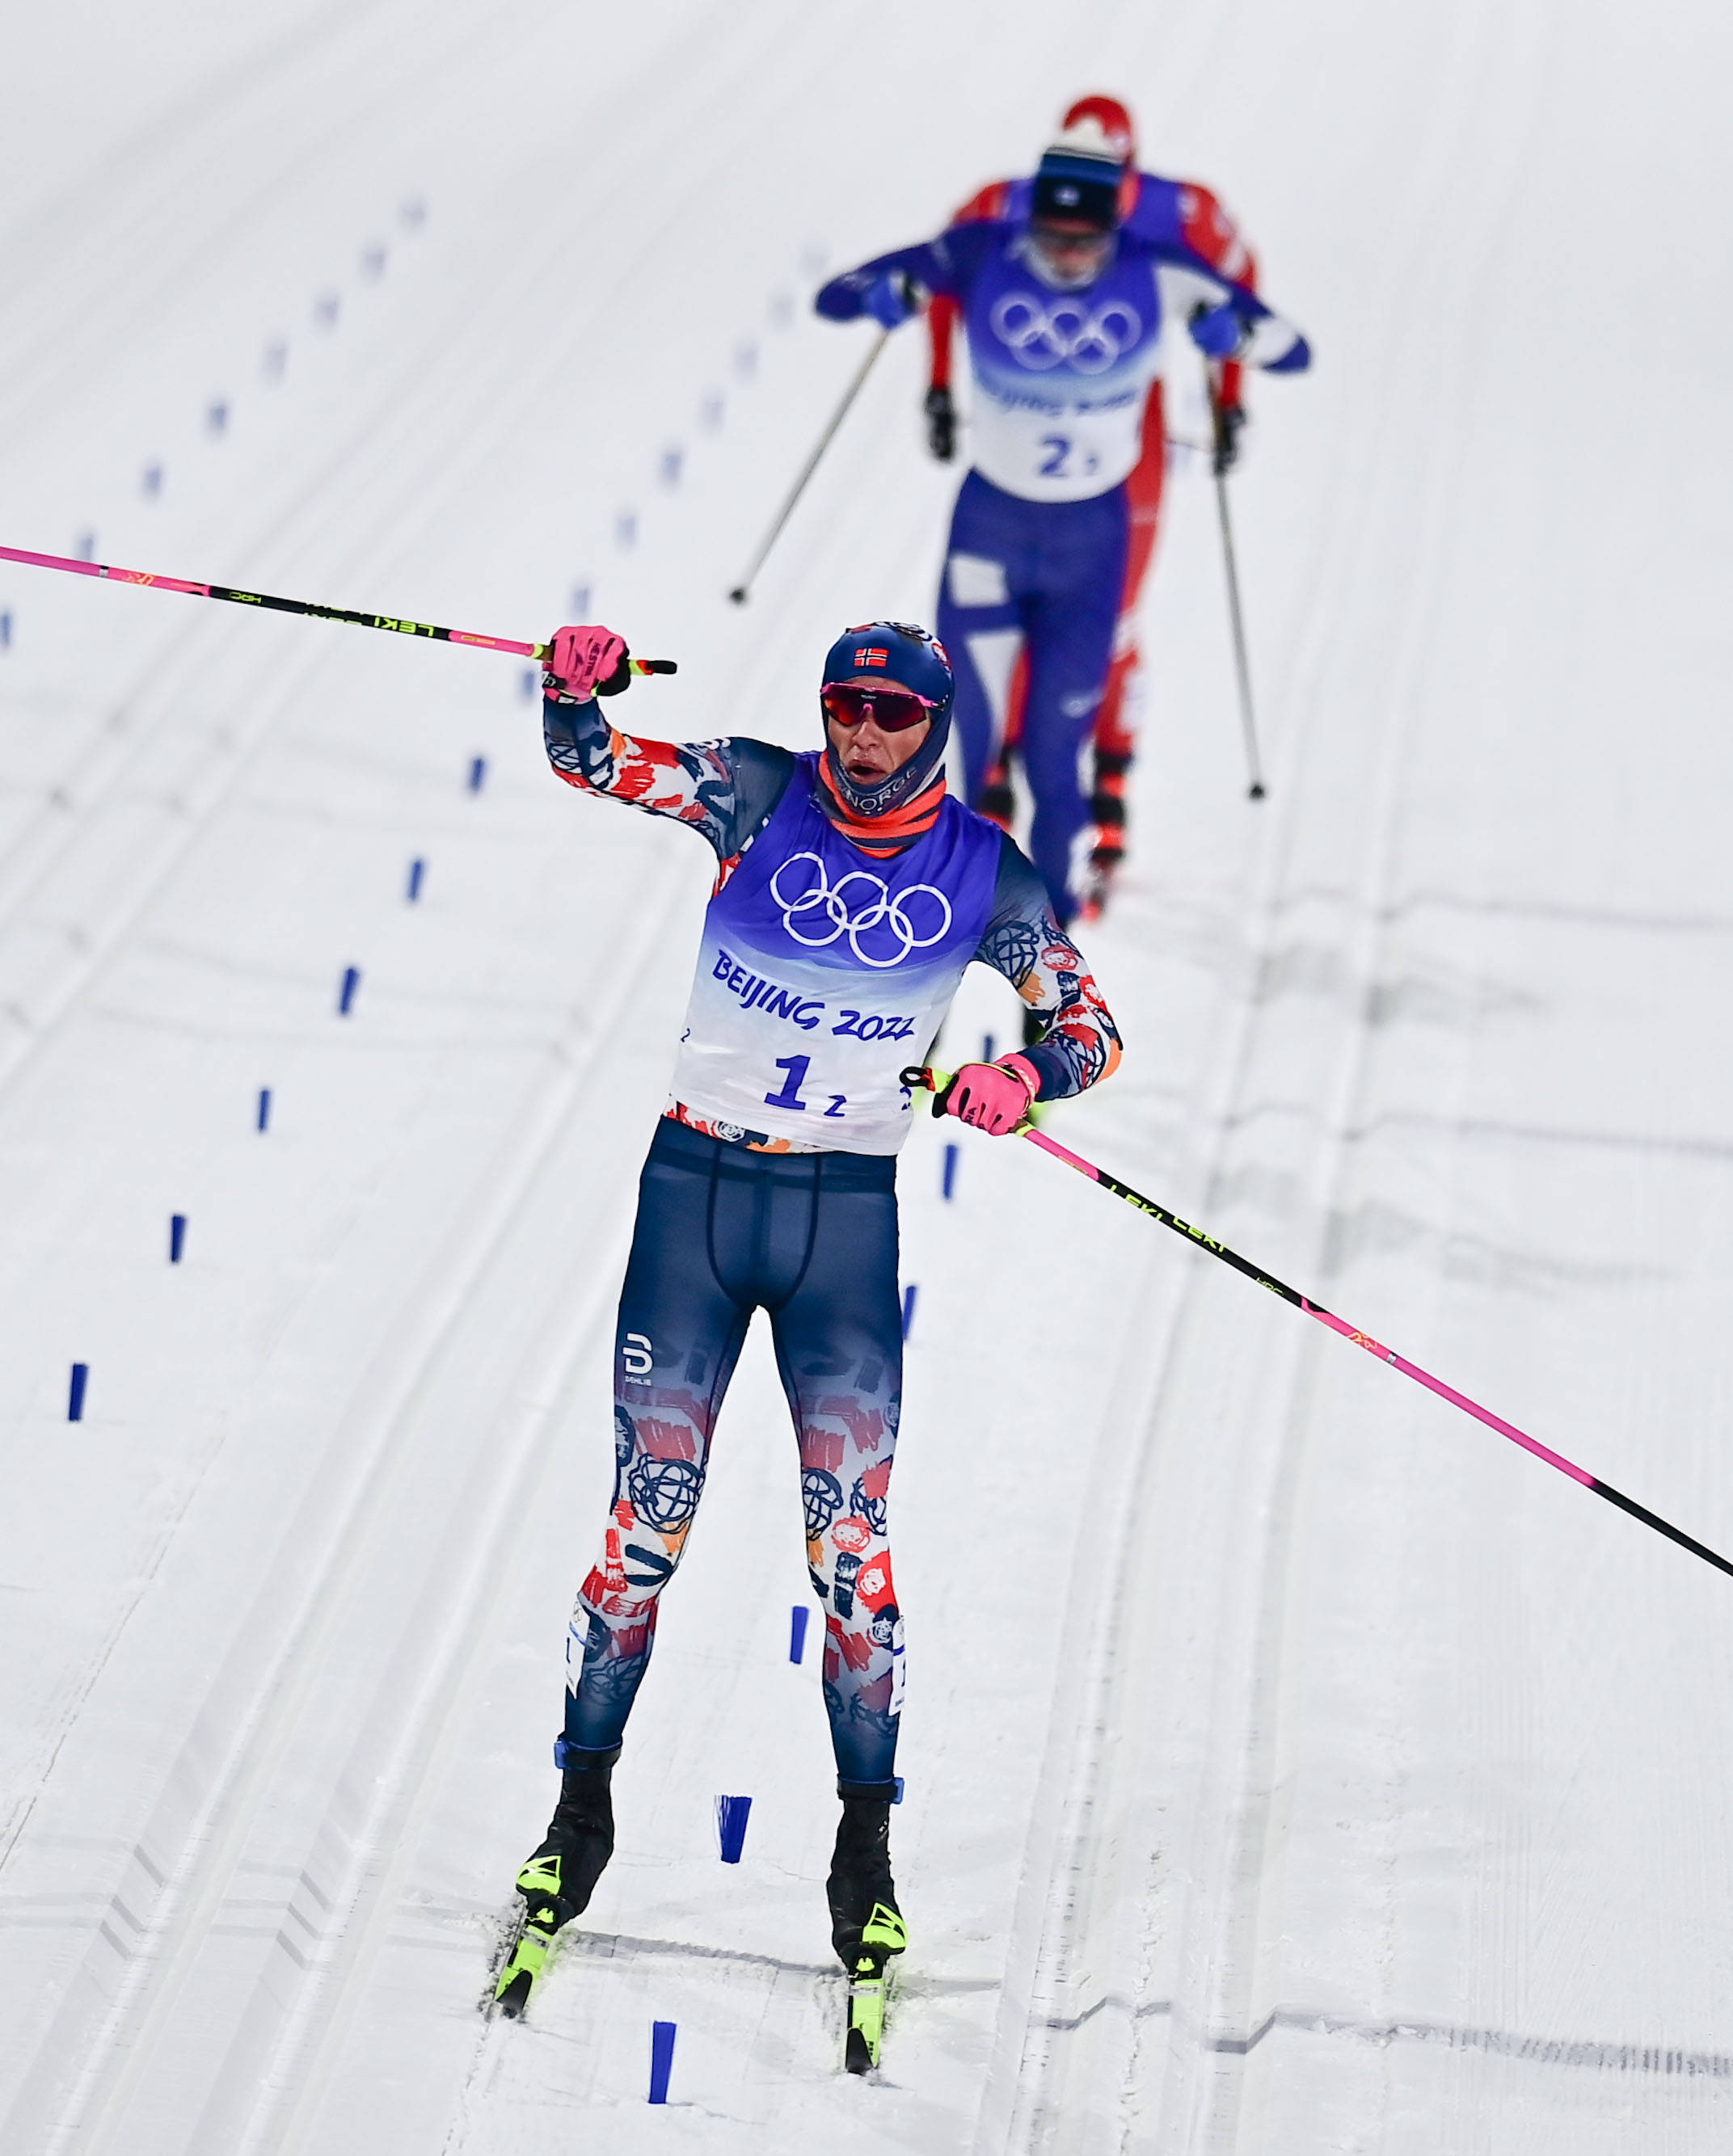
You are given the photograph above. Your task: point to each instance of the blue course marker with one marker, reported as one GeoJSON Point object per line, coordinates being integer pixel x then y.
{"type": "Point", "coordinates": [532, 682]}
{"type": "Point", "coordinates": [478, 774]}
{"type": "Point", "coordinates": [731, 1817]}
{"type": "Point", "coordinates": [5, 631]}
{"type": "Point", "coordinates": [75, 1398]}
{"type": "Point", "coordinates": [661, 2059]}
{"type": "Point", "coordinates": [950, 1170]}
{"type": "Point", "coordinates": [264, 1107]}
{"type": "Point", "coordinates": [909, 1304]}
{"type": "Point", "coordinates": [153, 480]}
{"type": "Point", "coordinates": [672, 458]}
{"type": "Point", "coordinates": [897, 1779]}
{"type": "Point", "coordinates": [177, 1237]}
{"type": "Point", "coordinates": [797, 1631]}
{"type": "Point", "coordinates": [986, 1048]}
{"type": "Point", "coordinates": [417, 869]}
{"type": "Point", "coordinates": [345, 995]}
{"type": "Point", "coordinates": [625, 528]}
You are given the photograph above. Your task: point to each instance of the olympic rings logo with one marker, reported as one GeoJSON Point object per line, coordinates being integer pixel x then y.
{"type": "Point", "coordinates": [831, 906]}
{"type": "Point", "coordinates": [1092, 340]}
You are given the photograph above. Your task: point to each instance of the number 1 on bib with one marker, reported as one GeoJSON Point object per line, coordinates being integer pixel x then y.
{"type": "Point", "coordinates": [797, 1067]}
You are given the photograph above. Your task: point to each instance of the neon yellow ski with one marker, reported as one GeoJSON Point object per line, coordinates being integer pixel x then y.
{"type": "Point", "coordinates": [539, 1883]}
{"type": "Point", "coordinates": [884, 1935]}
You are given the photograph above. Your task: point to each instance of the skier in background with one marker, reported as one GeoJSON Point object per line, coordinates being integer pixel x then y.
{"type": "Point", "coordinates": [851, 891]}
{"type": "Point", "coordinates": [1173, 210]}
{"type": "Point", "coordinates": [1068, 309]}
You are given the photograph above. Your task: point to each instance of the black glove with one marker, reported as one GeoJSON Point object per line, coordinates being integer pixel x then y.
{"type": "Point", "coordinates": [941, 424]}
{"type": "Point", "coordinates": [1230, 423]}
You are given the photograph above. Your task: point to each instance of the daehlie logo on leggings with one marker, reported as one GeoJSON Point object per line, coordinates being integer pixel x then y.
{"type": "Point", "coordinates": [825, 912]}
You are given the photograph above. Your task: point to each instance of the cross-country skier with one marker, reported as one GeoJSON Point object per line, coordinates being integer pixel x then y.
{"type": "Point", "coordinates": [1158, 208]}
{"type": "Point", "coordinates": [1069, 313]}
{"type": "Point", "coordinates": [851, 891]}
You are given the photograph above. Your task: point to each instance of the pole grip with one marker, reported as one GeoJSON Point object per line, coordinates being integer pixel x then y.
{"type": "Point", "coordinates": [918, 1078]}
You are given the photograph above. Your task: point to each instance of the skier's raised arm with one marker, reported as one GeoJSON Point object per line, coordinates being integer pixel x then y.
{"type": "Point", "coordinates": [722, 789]}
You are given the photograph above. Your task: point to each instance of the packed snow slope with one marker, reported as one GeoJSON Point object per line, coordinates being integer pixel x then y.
{"type": "Point", "coordinates": [1292, 1763]}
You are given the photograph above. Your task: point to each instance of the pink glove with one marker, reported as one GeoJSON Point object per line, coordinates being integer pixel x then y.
{"type": "Point", "coordinates": [993, 1097]}
{"type": "Point", "coordinates": [583, 663]}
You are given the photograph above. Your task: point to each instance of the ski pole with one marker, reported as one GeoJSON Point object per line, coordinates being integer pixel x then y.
{"type": "Point", "coordinates": [300, 606]}
{"type": "Point", "coordinates": [1247, 722]}
{"type": "Point", "coordinates": [936, 1082]}
{"type": "Point", "coordinates": [741, 589]}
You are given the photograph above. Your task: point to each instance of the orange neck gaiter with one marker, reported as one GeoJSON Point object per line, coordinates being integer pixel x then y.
{"type": "Point", "coordinates": [881, 836]}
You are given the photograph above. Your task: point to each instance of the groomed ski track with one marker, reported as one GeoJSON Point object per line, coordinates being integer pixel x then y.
{"type": "Point", "coordinates": [1292, 1763]}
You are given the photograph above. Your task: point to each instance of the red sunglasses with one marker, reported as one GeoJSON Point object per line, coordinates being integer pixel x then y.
{"type": "Point", "coordinates": [892, 711]}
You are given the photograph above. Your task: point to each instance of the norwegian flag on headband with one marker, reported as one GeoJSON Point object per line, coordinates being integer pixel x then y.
{"type": "Point", "coordinates": [873, 655]}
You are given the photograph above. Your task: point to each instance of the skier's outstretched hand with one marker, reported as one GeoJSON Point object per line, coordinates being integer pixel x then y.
{"type": "Point", "coordinates": [993, 1097]}
{"type": "Point", "coordinates": [586, 662]}
{"type": "Point", "coordinates": [893, 298]}
{"type": "Point", "coordinates": [1217, 331]}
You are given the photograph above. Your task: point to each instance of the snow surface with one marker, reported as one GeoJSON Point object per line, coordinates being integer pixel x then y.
{"type": "Point", "coordinates": [1293, 1764]}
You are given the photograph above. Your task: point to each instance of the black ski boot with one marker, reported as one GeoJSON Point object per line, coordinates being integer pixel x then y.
{"type": "Point", "coordinates": [558, 1882]}
{"type": "Point", "coordinates": [867, 1926]}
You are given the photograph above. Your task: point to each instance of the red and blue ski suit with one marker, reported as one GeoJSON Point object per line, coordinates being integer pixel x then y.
{"type": "Point", "coordinates": [1042, 534]}
{"type": "Point", "coordinates": [1181, 213]}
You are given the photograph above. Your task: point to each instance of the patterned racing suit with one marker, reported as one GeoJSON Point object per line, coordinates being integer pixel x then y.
{"type": "Point", "coordinates": [845, 959]}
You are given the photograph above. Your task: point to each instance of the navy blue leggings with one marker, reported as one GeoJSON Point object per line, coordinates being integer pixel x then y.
{"type": "Point", "coordinates": [1044, 577]}
{"type": "Point", "coordinates": [811, 1238]}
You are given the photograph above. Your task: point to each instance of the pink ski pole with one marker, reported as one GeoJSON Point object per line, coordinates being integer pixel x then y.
{"type": "Point", "coordinates": [937, 1081]}
{"type": "Point", "coordinates": [301, 606]}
